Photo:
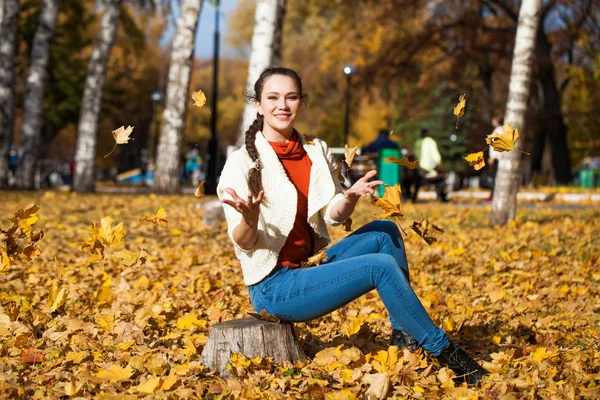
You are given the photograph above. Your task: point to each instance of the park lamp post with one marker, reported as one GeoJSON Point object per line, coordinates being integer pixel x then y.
{"type": "Point", "coordinates": [213, 144]}
{"type": "Point", "coordinates": [156, 99]}
{"type": "Point", "coordinates": [348, 70]}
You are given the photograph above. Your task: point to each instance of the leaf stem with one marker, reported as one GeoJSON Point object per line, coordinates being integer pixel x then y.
{"type": "Point", "coordinates": [111, 150]}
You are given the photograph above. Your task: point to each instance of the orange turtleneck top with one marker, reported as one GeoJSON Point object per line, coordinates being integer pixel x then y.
{"type": "Point", "coordinates": [298, 246]}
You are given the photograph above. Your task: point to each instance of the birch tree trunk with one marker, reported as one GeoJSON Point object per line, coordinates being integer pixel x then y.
{"type": "Point", "coordinates": [85, 153]}
{"type": "Point", "coordinates": [508, 179]}
{"type": "Point", "coordinates": [8, 46]}
{"type": "Point", "coordinates": [166, 176]}
{"type": "Point", "coordinates": [266, 50]}
{"type": "Point", "coordinates": [34, 95]}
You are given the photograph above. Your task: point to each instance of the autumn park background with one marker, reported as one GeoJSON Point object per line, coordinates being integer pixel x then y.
{"type": "Point", "coordinates": [102, 296]}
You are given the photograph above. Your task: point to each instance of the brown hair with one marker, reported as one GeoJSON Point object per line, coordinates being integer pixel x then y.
{"type": "Point", "coordinates": [255, 174]}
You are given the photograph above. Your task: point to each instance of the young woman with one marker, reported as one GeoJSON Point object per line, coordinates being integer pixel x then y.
{"type": "Point", "coordinates": [279, 191]}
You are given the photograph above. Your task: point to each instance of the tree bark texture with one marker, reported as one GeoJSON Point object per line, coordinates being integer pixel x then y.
{"type": "Point", "coordinates": [250, 337]}
{"type": "Point", "coordinates": [166, 175]}
{"type": "Point", "coordinates": [266, 51]}
{"type": "Point", "coordinates": [8, 46]}
{"type": "Point", "coordinates": [33, 107]}
{"type": "Point", "coordinates": [87, 130]}
{"type": "Point", "coordinates": [504, 204]}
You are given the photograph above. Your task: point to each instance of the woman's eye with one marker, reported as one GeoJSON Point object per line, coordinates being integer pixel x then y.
{"type": "Point", "coordinates": [293, 98]}
{"type": "Point", "coordinates": [272, 98]}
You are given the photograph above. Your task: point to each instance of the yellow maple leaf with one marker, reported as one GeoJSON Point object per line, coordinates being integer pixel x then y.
{"type": "Point", "coordinates": [459, 110]}
{"type": "Point", "coordinates": [31, 251]}
{"type": "Point", "coordinates": [149, 386]}
{"type": "Point", "coordinates": [76, 357]}
{"type": "Point", "coordinates": [171, 380]}
{"type": "Point", "coordinates": [353, 327]}
{"type": "Point", "coordinates": [73, 388]}
{"type": "Point", "coordinates": [426, 230]}
{"type": "Point", "coordinates": [199, 98]}
{"type": "Point", "coordinates": [475, 160]}
{"type": "Point", "coordinates": [56, 297]}
{"type": "Point", "coordinates": [121, 136]}
{"type": "Point", "coordinates": [115, 373]}
{"type": "Point", "coordinates": [349, 154]}
{"type": "Point", "coordinates": [5, 261]}
{"type": "Point", "coordinates": [190, 321]}
{"type": "Point", "coordinates": [504, 141]}
{"type": "Point", "coordinates": [200, 191]}
{"type": "Point", "coordinates": [158, 219]}
{"type": "Point", "coordinates": [403, 162]}
{"type": "Point", "coordinates": [390, 202]}
{"type": "Point", "coordinates": [383, 360]}
{"type": "Point", "coordinates": [317, 259]}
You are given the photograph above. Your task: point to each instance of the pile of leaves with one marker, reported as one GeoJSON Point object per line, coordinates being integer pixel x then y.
{"type": "Point", "coordinates": [120, 297]}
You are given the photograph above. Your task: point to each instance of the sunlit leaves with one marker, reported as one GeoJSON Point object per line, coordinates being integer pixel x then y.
{"type": "Point", "coordinates": [121, 136]}
{"type": "Point", "coordinates": [21, 238]}
{"type": "Point", "coordinates": [475, 160]}
{"type": "Point", "coordinates": [115, 373]}
{"type": "Point", "coordinates": [459, 109]}
{"type": "Point", "coordinates": [390, 202]}
{"type": "Point", "coordinates": [104, 237]}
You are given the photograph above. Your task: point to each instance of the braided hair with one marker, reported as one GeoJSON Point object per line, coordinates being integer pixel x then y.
{"type": "Point", "coordinates": [255, 174]}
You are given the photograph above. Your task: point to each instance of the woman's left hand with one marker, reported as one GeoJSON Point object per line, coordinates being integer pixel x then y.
{"type": "Point", "coordinates": [362, 187]}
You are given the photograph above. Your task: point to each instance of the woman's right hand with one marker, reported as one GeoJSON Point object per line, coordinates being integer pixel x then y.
{"type": "Point", "coordinates": [248, 208]}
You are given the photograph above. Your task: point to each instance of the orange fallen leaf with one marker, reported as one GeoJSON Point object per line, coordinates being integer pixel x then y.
{"type": "Point", "coordinates": [32, 356]}
{"type": "Point", "coordinates": [475, 160]}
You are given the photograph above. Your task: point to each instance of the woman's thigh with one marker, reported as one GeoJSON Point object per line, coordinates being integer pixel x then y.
{"type": "Point", "coordinates": [302, 294]}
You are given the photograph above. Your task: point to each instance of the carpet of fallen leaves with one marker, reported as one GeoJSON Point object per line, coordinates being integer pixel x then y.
{"type": "Point", "coordinates": [522, 299]}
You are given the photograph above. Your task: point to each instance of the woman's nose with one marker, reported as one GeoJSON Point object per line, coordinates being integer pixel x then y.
{"type": "Point", "coordinates": [282, 104]}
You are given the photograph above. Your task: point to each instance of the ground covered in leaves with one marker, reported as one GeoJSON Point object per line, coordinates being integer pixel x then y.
{"type": "Point", "coordinates": [128, 316]}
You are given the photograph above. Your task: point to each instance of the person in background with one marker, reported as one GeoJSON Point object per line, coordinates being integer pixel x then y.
{"type": "Point", "coordinates": [411, 180]}
{"type": "Point", "coordinates": [382, 141]}
{"type": "Point", "coordinates": [430, 160]}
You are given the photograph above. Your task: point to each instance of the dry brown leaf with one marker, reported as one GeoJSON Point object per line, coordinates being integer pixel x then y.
{"type": "Point", "coordinates": [475, 160]}
{"type": "Point", "coordinates": [426, 230]}
{"type": "Point", "coordinates": [317, 259]}
{"type": "Point", "coordinates": [347, 224]}
{"type": "Point", "coordinates": [200, 191]}
{"type": "Point", "coordinates": [349, 154]}
{"type": "Point", "coordinates": [403, 162]}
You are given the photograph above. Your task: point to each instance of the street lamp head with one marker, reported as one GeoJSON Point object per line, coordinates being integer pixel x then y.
{"type": "Point", "coordinates": [157, 96]}
{"type": "Point", "coordinates": [348, 69]}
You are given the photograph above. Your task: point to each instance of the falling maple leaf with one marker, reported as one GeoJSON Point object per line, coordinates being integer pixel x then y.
{"type": "Point", "coordinates": [403, 162]}
{"type": "Point", "coordinates": [199, 98]}
{"type": "Point", "coordinates": [475, 160]}
{"type": "Point", "coordinates": [200, 190]}
{"type": "Point", "coordinates": [158, 219]}
{"type": "Point", "coordinates": [349, 154]}
{"type": "Point", "coordinates": [57, 297]}
{"type": "Point", "coordinates": [504, 141]}
{"type": "Point", "coordinates": [426, 230]}
{"type": "Point", "coordinates": [390, 202]}
{"type": "Point", "coordinates": [317, 259]}
{"type": "Point", "coordinates": [115, 373]}
{"type": "Point", "coordinates": [121, 136]}
{"type": "Point", "coordinates": [459, 110]}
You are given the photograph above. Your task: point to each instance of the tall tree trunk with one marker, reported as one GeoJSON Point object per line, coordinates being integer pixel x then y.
{"type": "Point", "coordinates": [34, 95]}
{"type": "Point", "coordinates": [266, 50]}
{"type": "Point", "coordinates": [166, 177]}
{"type": "Point", "coordinates": [504, 205]}
{"type": "Point", "coordinates": [1, 11]}
{"type": "Point", "coordinates": [8, 47]}
{"type": "Point", "coordinates": [551, 118]}
{"type": "Point", "coordinates": [85, 152]}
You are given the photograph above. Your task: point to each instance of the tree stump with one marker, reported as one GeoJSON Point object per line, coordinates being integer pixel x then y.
{"type": "Point", "coordinates": [250, 337]}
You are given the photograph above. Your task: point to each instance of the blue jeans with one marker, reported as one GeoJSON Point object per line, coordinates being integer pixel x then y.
{"type": "Point", "coordinates": [372, 257]}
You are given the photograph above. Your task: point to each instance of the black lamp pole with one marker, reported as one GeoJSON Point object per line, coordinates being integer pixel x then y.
{"type": "Point", "coordinates": [210, 186]}
{"type": "Point", "coordinates": [348, 69]}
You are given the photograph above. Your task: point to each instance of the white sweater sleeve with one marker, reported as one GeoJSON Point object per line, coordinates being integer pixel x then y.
{"type": "Point", "coordinates": [339, 189]}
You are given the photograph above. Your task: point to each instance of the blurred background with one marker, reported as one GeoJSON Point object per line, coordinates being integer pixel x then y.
{"type": "Point", "coordinates": [394, 65]}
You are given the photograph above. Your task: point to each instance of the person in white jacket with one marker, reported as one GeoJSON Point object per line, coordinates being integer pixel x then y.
{"type": "Point", "coordinates": [430, 161]}
{"type": "Point", "coordinates": [279, 191]}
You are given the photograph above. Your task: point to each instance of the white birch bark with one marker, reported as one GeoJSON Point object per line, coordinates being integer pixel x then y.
{"type": "Point", "coordinates": [266, 51]}
{"type": "Point", "coordinates": [508, 179]}
{"type": "Point", "coordinates": [1, 11]}
{"type": "Point", "coordinates": [166, 177]}
{"type": "Point", "coordinates": [34, 95]}
{"type": "Point", "coordinates": [86, 148]}
{"type": "Point", "coordinates": [8, 46]}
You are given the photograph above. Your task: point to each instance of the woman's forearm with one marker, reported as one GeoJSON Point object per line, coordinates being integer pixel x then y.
{"type": "Point", "coordinates": [343, 209]}
{"type": "Point", "coordinates": [245, 234]}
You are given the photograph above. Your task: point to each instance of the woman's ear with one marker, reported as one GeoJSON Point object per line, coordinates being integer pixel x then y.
{"type": "Point", "coordinates": [258, 107]}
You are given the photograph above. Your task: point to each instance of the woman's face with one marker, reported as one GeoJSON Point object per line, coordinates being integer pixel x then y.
{"type": "Point", "coordinates": [279, 104]}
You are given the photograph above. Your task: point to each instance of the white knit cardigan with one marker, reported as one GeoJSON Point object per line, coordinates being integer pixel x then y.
{"type": "Point", "coordinates": [278, 210]}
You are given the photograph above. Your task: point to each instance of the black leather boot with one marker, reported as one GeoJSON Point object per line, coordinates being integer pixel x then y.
{"type": "Point", "coordinates": [465, 368]}
{"type": "Point", "coordinates": [404, 339]}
